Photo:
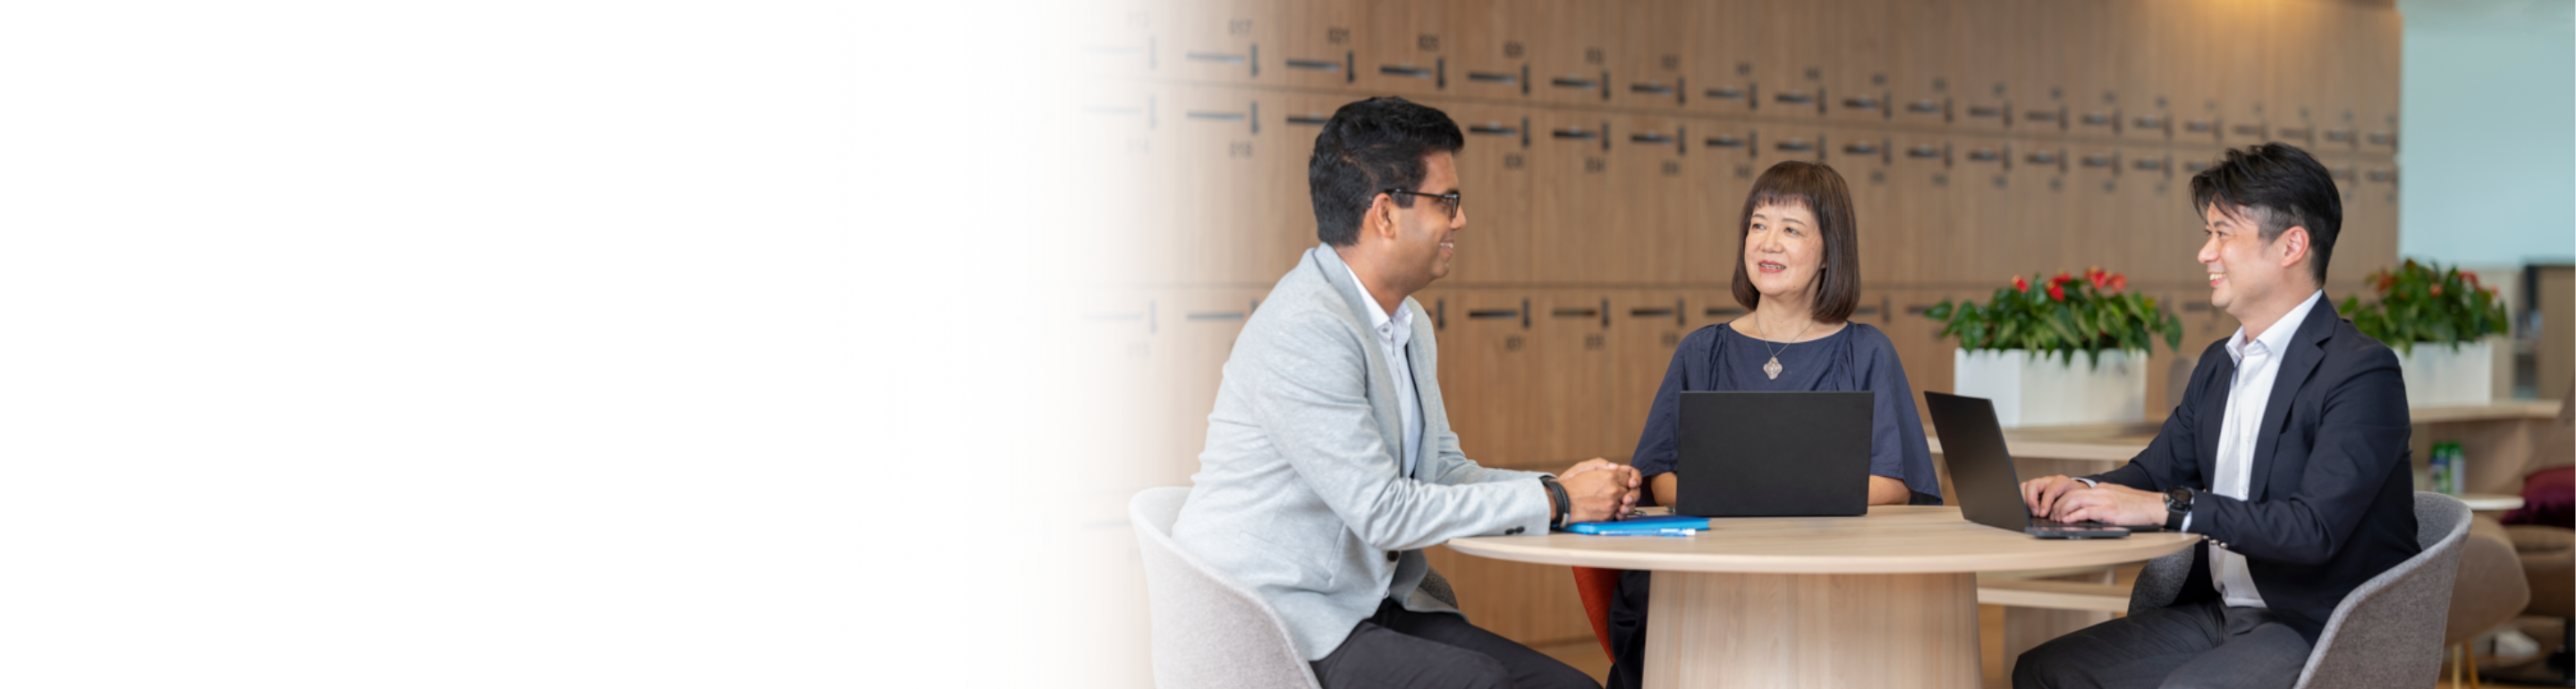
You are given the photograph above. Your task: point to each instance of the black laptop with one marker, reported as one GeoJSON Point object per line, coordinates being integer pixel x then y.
{"type": "Point", "coordinates": [1773, 454]}
{"type": "Point", "coordinates": [1989, 488]}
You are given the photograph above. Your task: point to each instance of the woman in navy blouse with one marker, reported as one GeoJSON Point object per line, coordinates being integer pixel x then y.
{"type": "Point", "coordinates": [1798, 270]}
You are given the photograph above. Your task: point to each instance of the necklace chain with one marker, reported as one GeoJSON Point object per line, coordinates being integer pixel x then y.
{"type": "Point", "coordinates": [1793, 339]}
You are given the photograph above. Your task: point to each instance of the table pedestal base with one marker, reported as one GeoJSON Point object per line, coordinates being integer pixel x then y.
{"type": "Point", "coordinates": [1812, 630]}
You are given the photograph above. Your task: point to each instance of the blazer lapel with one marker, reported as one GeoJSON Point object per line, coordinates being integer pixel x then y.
{"type": "Point", "coordinates": [1426, 388]}
{"type": "Point", "coordinates": [2306, 351]}
{"type": "Point", "coordinates": [2213, 419]}
{"type": "Point", "coordinates": [1381, 380]}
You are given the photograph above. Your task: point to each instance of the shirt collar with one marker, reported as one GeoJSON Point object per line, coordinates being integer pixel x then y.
{"type": "Point", "coordinates": [1398, 328]}
{"type": "Point", "coordinates": [2275, 339]}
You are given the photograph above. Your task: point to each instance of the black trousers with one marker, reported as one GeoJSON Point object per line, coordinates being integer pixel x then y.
{"type": "Point", "coordinates": [1628, 629]}
{"type": "Point", "coordinates": [1402, 648]}
{"type": "Point", "coordinates": [2204, 644]}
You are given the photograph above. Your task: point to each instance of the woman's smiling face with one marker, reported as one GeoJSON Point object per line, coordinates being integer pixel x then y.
{"type": "Point", "coordinates": [1782, 249]}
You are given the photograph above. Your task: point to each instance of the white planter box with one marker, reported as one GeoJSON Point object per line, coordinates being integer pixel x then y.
{"type": "Point", "coordinates": [2031, 390]}
{"type": "Point", "coordinates": [2439, 375]}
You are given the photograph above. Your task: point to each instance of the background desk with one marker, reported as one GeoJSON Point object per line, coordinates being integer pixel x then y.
{"type": "Point", "coordinates": [1884, 600]}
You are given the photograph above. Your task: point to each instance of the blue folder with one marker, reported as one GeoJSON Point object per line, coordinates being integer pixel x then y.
{"type": "Point", "coordinates": [1641, 526]}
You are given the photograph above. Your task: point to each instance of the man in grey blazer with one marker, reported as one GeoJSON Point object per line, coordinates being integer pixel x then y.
{"type": "Point", "coordinates": [1329, 461]}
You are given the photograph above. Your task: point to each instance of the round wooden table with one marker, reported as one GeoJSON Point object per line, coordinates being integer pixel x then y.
{"type": "Point", "coordinates": [1886, 600]}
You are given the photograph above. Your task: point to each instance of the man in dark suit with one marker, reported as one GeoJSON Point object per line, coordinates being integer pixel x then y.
{"type": "Point", "coordinates": [2288, 451]}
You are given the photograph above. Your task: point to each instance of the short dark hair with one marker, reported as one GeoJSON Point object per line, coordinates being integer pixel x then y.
{"type": "Point", "coordinates": [2279, 187]}
{"type": "Point", "coordinates": [1822, 191]}
{"type": "Point", "coordinates": [1369, 147]}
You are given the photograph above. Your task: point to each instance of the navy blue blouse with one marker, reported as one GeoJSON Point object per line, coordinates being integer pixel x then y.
{"type": "Point", "coordinates": [1857, 358]}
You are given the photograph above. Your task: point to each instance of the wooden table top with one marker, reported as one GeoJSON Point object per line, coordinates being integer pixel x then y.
{"type": "Point", "coordinates": [1893, 539]}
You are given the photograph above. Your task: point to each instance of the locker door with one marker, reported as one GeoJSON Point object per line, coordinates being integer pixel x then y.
{"type": "Point", "coordinates": [2241, 34]}
{"type": "Point", "coordinates": [2040, 209]}
{"type": "Point", "coordinates": [1118, 40]}
{"type": "Point", "coordinates": [1645, 327]}
{"type": "Point", "coordinates": [1721, 168]}
{"type": "Point", "coordinates": [1488, 44]}
{"type": "Point", "coordinates": [2368, 240]}
{"type": "Point", "coordinates": [2297, 68]}
{"type": "Point", "coordinates": [1990, 62]}
{"type": "Point", "coordinates": [1494, 181]}
{"type": "Point", "coordinates": [1926, 64]}
{"type": "Point", "coordinates": [1221, 195]}
{"type": "Point", "coordinates": [2045, 103]}
{"type": "Point", "coordinates": [2096, 231]}
{"type": "Point", "coordinates": [1649, 213]}
{"type": "Point", "coordinates": [1124, 127]}
{"type": "Point", "coordinates": [1865, 157]}
{"type": "Point", "coordinates": [2162, 234]}
{"type": "Point", "coordinates": [1218, 41]}
{"type": "Point", "coordinates": [1719, 56]}
{"type": "Point", "coordinates": [1200, 335]}
{"type": "Point", "coordinates": [1913, 235]}
{"type": "Point", "coordinates": [1308, 35]}
{"type": "Point", "coordinates": [1571, 191]}
{"type": "Point", "coordinates": [1860, 71]}
{"type": "Point", "coordinates": [1574, 370]}
{"type": "Point", "coordinates": [1571, 55]}
{"type": "Point", "coordinates": [2202, 58]}
{"type": "Point", "coordinates": [1920, 346]}
{"type": "Point", "coordinates": [1488, 369]}
{"type": "Point", "coordinates": [1653, 37]}
{"type": "Point", "coordinates": [1791, 67]}
{"type": "Point", "coordinates": [2146, 36]}
{"type": "Point", "coordinates": [2376, 67]}
{"type": "Point", "coordinates": [1117, 336]}
{"type": "Point", "coordinates": [1287, 208]}
{"type": "Point", "coordinates": [1982, 199]}
{"type": "Point", "coordinates": [2096, 96]}
{"type": "Point", "coordinates": [1407, 49]}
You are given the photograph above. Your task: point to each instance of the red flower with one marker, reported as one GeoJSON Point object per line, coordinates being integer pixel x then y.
{"type": "Point", "coordinates": [2118, 282]}
{"type": "Point", "coordinates": [2021, 284]}
{"type": "Point", "coordinates": [2057, 293]}
{"type": "Point", "coordinates": [2437, 289]}
{"type": "Point", "coordinates": [2472, 277]}
{"type": "Point", "coordinates": [2062, 278]}
{"type": "Point", "coordinates": [2386, 282]}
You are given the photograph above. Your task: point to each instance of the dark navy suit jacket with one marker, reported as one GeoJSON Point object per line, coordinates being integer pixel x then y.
{"type": "Point", "coordinates": [2331, 501]}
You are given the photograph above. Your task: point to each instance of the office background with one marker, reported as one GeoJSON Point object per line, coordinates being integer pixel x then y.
{"type": "Point", "coordinates": [1610, 143]}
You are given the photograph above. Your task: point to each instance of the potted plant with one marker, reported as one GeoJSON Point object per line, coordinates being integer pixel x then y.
{"type": "Point", "coordinates": [2020, 349]}
{"type": "Point", "coordinates": [2427, 304]}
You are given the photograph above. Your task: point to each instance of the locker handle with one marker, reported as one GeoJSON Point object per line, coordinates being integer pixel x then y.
{"type": "Point", "coordinates": [1308, 119]}
{"type": "Point", "coordinates": [1796, 145]}
{"type": "Point", "coordinates": [1215, 316]}
{"type": "Point", "coordinates": [2253, 130]}
{"type": "Point", "coordinates": [1722, 311]}
{"type": "Point", "coordinates": [2112, 162]}
{"type": "Point", "coordinates": [1493, 77]}
{"type": "Point", "coordinates": [1861, 148]}
{"type": "Point", "coordinates": [1917, 309]}
{"type": "Point", "coordinates": [1315, 65]}
{"type": "Point", "coordinates": [1984, 111]}
{"type": "Point", "coordinates": [1650, 138]}
{"type": "Point", "coordinates": [1573, 83]}
{"type": "Point", "coordinates": [1574, 133]}
{"type": "Point", "coordinates": [1221, 58]}
{"type": "Point", "coordinates": [1649, 312]}
{"type": "Point", "coordinates": [2194, 166]}
{"type": "Point", "coordinates": [2293, 132]}
{"type": "Point", "coordinates": [1725, 141]}
{"type": "Point", "coordinates": [1492, 130]}
{"type": "Point", "coordinates": [1725, 93]}
{"type": "Point", "coordinates": [2040, 116]}
{"type": "Point", "coordinates": [1924, 151]}
{"type": "Point", "coordinates": [1219, 116]}
{"type": "Point", "coordinates": [1926, 106]}
{"type": "Point", "coordinates": [1861, 103]}
{"type": "Point", "coordinates": [1575, 313]}
{"type": "Point", "coordinates": [1483, 314]}
{"type": "Point", "coordinates": [2344, 173]}
{"type": "Point", "coordinates": [2339, 135]}
{"type": "Point", "coordinates": [2149, 122]}
{"type": "Point", "coordinates": [1403, 71]}
{"type": "Point", "coordinates": [2148, 164]}
{"type": "Point", "coordinates": [1793, 98]}
{"type": "Point", "coordinates": [1651, 88]}
{"type": "Point", "coordinates": [2042, 157]}
{"type": "Point", "coordinates": [2100, 119]}
{"type": "Point", "coordinates": [2200, 126]}
{"type": "Point", "coordinates": [2383, 139]}
{"type": "Point", "coordinates": [1985, 155]}
{"type": "Point", "coordinates": [2383, 175]}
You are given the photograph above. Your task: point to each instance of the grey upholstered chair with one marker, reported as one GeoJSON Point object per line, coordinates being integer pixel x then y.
{"type": "Point", "coordinates": [2388, 631]}
{"type": "Point", "coordinates": [1208, 631]}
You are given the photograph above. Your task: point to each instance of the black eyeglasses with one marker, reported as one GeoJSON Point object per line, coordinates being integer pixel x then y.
{"type": "Point", "coordinates": [1449, 202]}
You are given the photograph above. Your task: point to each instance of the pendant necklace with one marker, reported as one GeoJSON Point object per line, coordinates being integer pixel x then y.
{"type": "Point", "coordinates": [1773, 369]}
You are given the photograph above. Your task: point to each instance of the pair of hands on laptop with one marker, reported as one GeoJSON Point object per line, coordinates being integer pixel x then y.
{"type": "Point", "coordinates": [1601, 490]}
{"type": "Point", "coordinates": [2068, 500]}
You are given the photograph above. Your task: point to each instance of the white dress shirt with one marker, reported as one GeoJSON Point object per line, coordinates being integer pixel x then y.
{"type": "Point", "coordinates": [1392, 336]}
{"type": "Point", "coordinates": [2258, 363]}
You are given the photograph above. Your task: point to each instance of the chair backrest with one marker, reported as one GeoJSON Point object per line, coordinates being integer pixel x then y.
{"type": "Point", "coordinates": [2388, 631]}
{"type": "Point", "coordinates": [1208, 631]}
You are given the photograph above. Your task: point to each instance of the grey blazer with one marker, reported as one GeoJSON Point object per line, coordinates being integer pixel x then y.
{"type": "Point", "coordinates": [1299, 495]}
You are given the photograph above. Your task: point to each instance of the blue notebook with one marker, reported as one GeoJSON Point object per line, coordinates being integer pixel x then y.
{"type": "Point", "coordinates": [1641, 526]}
